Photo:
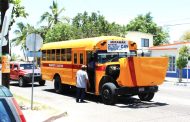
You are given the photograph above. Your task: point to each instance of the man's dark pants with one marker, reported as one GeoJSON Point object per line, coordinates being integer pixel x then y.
{"type": "Point", "coordinates": [80, 94]}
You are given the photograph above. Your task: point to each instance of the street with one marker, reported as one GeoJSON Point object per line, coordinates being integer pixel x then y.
{"type": "Point", "coordinates": [171, 103]}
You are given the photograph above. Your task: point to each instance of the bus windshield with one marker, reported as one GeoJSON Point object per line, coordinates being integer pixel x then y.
{"type": "Point", "coordinates": [104, 57]}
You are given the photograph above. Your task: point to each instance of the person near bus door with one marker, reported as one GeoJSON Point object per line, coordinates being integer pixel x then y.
{"type": "Point", "coordinates": [81, 83]}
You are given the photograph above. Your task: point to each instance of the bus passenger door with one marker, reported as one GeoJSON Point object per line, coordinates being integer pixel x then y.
{"type": "Point", "coordinates": [91, 70]}
{"type": "Point", "coordinates": [78, 59]}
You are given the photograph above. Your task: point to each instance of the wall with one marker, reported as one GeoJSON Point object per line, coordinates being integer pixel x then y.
{"type": "Point", "coordinates": [171, 50]}
{"type": "Point", "coordinates": [136, 37]}
{"type": "Point", "coordinates": [158, 53]}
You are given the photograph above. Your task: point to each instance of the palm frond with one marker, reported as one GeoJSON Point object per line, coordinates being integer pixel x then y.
{"type": "Point", "coordinates": [60, 11]}
{"type": "Point", "coordinates": [45, 16]}
{"type": "Point", "coordinates": [17, 32]}
{"type": "Point", "coordinates": [20, 25]}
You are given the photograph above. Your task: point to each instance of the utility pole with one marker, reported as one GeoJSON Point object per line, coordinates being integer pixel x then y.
{"type": "Point", "coordinates": [5, 49]}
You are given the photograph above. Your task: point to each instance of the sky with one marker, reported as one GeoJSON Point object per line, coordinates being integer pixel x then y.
{"type": "Point", "coordinates": [164, 12]}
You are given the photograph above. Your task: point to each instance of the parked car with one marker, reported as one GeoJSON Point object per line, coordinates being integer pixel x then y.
{"type": "Point", "coordinates": [23, 72]}
{"type": "Point", "coordinates": [9, 109]}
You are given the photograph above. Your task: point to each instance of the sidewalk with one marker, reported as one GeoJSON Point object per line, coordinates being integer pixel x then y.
{"type": "Point", "coordinates": [175, 81]}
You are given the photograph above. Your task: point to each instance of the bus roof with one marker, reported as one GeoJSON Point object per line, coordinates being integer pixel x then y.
{"type": "Point", "coordinates": [87, 43]}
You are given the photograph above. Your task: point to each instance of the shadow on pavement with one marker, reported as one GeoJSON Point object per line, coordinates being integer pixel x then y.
{"type": "Point", "coordinates": [27, 85]}
{"type": "Point", "coordinates": [122, 102]}
{"type": "Point", "coordinates": [130, 102]}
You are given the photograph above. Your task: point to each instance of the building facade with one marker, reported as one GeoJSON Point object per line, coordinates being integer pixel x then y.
{"type": "Point", "coordinates": [172, 51]}
{"type": "Point", "coordinates": [143, 41]}
{"type": "Point", "coordinates": [145, 46]}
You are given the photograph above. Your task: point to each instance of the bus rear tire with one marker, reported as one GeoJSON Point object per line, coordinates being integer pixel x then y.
{"type": "Point", "coordinates": [108, 93]}
{"type": "Point", "coordinates": [57, 84]}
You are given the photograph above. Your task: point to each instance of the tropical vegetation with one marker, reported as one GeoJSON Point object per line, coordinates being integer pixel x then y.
{"type": "Point", "coordinates": [54, 26]}
{"type": "Point", "coordinates": [145, 23]}
{"type": "Point", "coordinates": [182, 60]}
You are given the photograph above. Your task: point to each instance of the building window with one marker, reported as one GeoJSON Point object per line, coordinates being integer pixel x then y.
{"type": "Point", "coordinates": [171, 66]}
{"type": "Point", "coordinates": [144, 42]}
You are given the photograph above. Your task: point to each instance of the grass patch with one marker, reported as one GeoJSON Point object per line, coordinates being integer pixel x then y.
{"type": "Point", "coordinates": [26, 103]}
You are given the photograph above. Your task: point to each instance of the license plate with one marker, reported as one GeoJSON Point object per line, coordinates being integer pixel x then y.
{"type": "Point", "coordinates": [141, 89]}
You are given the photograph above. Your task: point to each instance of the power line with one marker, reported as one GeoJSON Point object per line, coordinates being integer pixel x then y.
{"type": "Point", "coordinates": [175, 20]}
{"type": "Point", "coordinates": [177, 24]}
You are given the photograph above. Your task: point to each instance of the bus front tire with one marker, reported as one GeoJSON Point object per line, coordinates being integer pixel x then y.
{"type": "Point", "coordinates": [146, 96]}
{"type": "Point", "coordinates": [108, 93]}
{"type": "Point", "coordinates": [57, 85]}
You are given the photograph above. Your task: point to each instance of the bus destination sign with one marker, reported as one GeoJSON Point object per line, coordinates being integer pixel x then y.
{"type": "Point", "coordinates": [117, 46]}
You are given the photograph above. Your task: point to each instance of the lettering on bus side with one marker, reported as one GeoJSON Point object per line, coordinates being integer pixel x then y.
{"type": "Point", "coordinates": [55, 65]}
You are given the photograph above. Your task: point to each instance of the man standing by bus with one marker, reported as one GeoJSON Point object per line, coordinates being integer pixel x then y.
{"type": "Point", "coordinates": [82, 81]}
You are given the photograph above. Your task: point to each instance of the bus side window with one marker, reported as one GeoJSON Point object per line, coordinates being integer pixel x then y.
{"type": "Point", "coordinates": [58, 55]}
{"type": "Point", "coordinates": [68, 51]}
{"type": "Point", "coordinates": [53, 55]}
{"type": "Point", "coordinates": [63, 56]}
{"type": "Point", "coordinates": [81, 58]}
{"type": "Point", "coordinates": [48, 55]}
{"type": "Point", "coordinates": [75, 58]}
{"type": "Point", "coordinates": [43, 55]}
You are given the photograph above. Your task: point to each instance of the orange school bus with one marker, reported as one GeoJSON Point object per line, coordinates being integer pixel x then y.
{"type": "Point", "coordinates": [112, 66]}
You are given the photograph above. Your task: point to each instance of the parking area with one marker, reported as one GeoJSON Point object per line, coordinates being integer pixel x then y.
{"type": "Point", "coordinates": [50, 106]}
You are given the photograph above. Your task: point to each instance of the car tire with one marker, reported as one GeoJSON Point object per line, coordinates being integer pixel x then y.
{"type": "Point", "coordinates": [146, 96]}
{"type": "Point", "coordinates": [42, 82]}
{"type": "Point", "coordinates": [57, 84]}
{"type": "Point", "coordinates": [108, 93]}
{"type": "Point", "coordinates": [21, 82]}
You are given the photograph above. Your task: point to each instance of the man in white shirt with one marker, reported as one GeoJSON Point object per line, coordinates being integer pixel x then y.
{"type": "Point", "coordinates": [82, 81]}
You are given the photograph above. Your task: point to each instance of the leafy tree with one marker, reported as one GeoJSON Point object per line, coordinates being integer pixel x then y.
{"type": "Point", "coordinates": [181, 61]}
{"type": "Point", "coordinates": [186, 36]}
{"type": "Point", "coordinates": [14, 57]}
{"type": "Point", "coordinates": [18, 11]}
{"type": "Point", "coordinates": [53, 17]}
{"type": "Point", "coordinates": [93, 25]}
{"type": "Point", "coordinates": [145, 23]}
{"type": "Point", "coordinates": [59, 32]}
{"type": "Point", "coordinates": [22, 32]}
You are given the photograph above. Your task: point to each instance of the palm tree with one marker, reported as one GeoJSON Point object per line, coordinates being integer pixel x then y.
{"type": "Point", "coordinates": [53, 17]}
{"type": "Point", "coordinates": [22, 32]}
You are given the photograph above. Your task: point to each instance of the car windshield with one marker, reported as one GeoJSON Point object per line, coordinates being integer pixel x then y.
{"type": "Point", "coordinates": [5, 112]}
{"type": "Point", "coordinates": [26, 66]}
{"type": "Point", "coordinates": [104, 57]}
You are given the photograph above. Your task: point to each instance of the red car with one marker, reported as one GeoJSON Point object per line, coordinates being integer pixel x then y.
{"type": "Point", "coordinates": [23, 71]}
{"type": "Point", "coordinates": [9, 109]}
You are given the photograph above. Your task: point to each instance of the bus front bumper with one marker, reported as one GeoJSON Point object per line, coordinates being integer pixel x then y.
{"type": "Point", "coordinates": [135, 90]}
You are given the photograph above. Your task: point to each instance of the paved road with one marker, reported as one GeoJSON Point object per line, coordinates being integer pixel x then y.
{"type": "Point", "coordinates": [171, 103]}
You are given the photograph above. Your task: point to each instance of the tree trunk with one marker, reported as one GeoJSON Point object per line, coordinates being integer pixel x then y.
{"type": "Point", "coordinates": [180, 75]}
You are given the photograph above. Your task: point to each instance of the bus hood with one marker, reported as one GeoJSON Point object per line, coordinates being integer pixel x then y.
{"type": "Point", "coordinates": [142, 71]}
